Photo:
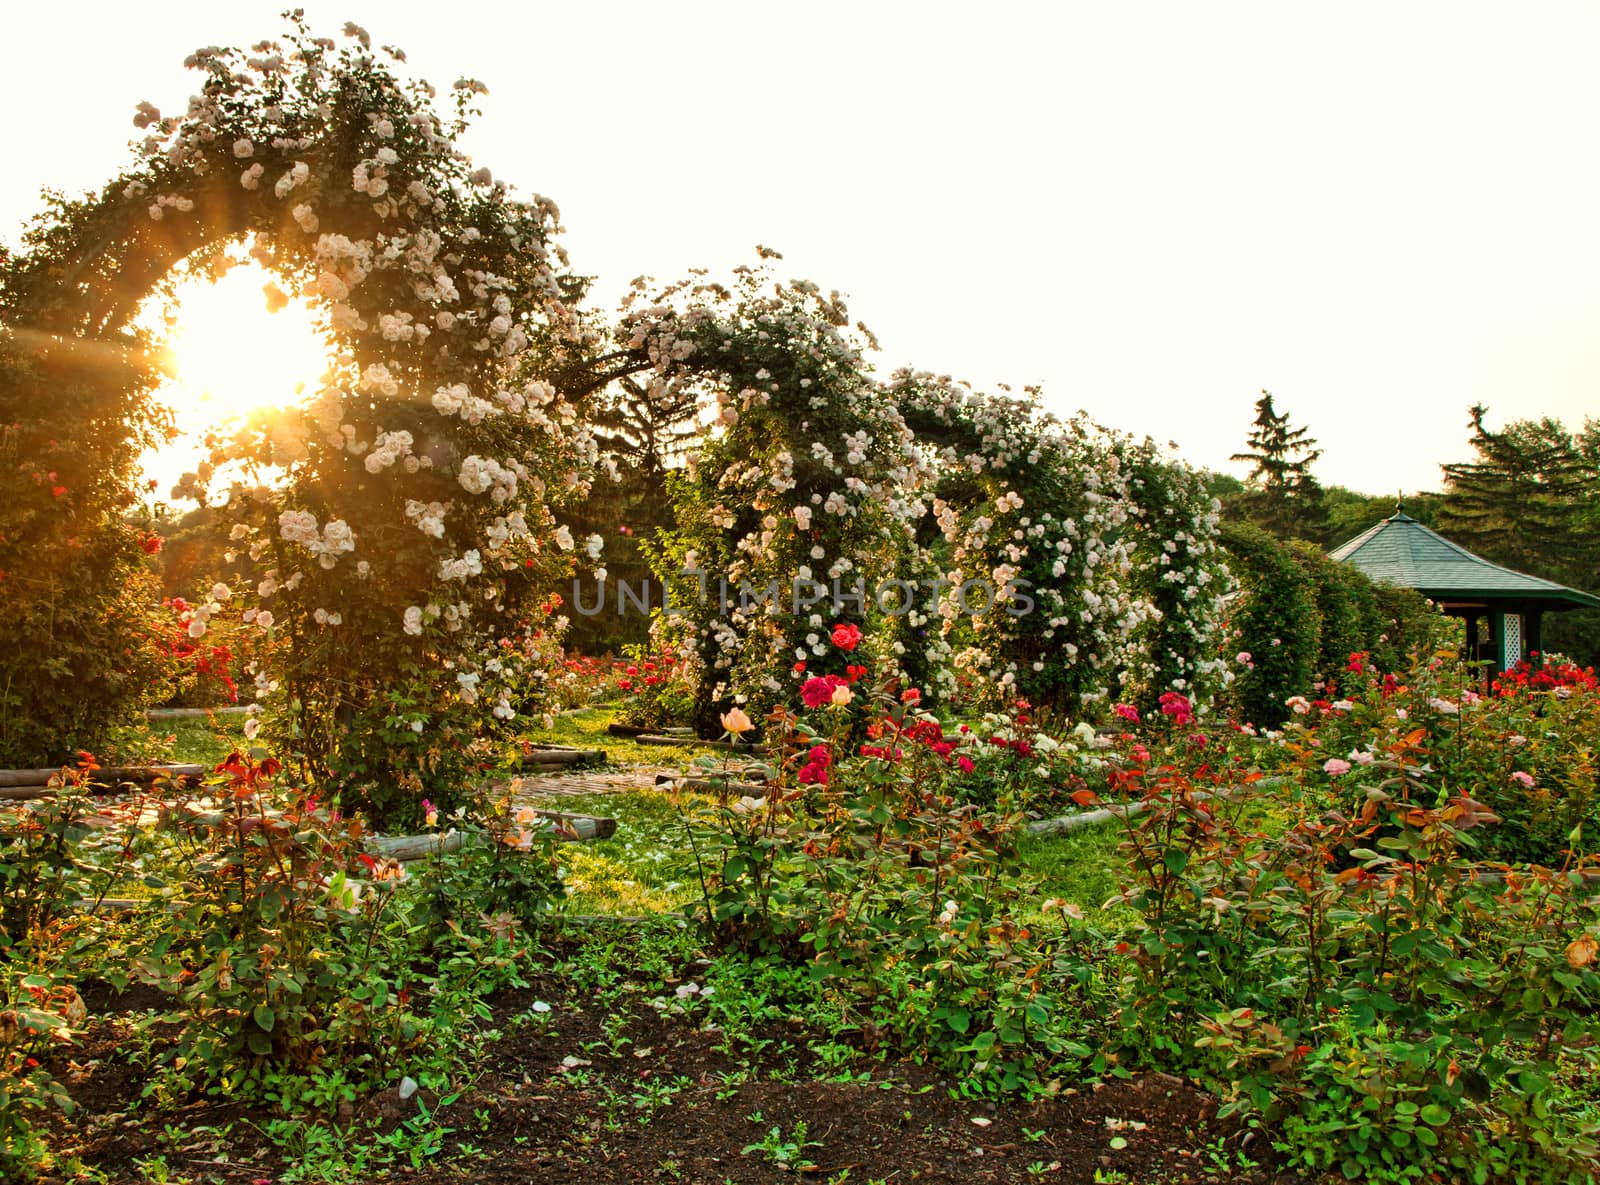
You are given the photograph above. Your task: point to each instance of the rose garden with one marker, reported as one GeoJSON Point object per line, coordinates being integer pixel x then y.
{"type": "Point", "coordinates": [987, 804]}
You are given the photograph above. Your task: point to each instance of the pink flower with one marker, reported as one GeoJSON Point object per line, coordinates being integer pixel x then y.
{"type": "Point", "coordinates": [1176, 706]}
{"type": "Point", "coordinates": [1525, 780]}
{"type": "Point", "coordinates": [1335, 766]}
{"type": "Point", "coordinates": [816, 691]}
{"type": "Point", "coordinates": [814, 774]}
{"type": "Point", "coordinates": [965, 763]}
{"type": "Point", "coordinates": [1128, 712]}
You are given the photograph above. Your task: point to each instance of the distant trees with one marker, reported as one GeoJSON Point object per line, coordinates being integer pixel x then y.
{"type": "Point", "coordinates": [1280, 494]}
{"type": "Point", "coordinates": [1531, 500]}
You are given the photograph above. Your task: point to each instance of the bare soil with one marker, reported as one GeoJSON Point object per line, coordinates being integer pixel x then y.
{"type": "Point", "coordinates": [665, 1100]}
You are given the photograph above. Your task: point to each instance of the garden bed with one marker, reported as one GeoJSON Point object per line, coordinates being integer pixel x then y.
{"type": "Point", "coordinates": [621, 1092]}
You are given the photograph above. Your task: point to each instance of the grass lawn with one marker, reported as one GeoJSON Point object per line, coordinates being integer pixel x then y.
{"type": "Point", "coordinates": [648, 866]}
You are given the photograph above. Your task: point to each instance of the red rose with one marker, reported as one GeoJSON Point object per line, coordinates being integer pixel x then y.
{"type": "Point", "coordinates": [846, 637]}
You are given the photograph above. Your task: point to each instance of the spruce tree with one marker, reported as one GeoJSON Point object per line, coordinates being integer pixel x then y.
{"type": "Point", "coordinates": [1531, 501]}
{"type": "Point", "coordinates": [1281, 495]}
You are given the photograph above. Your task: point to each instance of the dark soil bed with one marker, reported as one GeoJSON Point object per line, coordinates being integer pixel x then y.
{"type": "Point", "coordinates": [663, 1100]}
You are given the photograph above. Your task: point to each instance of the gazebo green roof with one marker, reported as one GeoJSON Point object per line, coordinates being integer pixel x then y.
{"type": "Point", "coordinates": [1402, 551]}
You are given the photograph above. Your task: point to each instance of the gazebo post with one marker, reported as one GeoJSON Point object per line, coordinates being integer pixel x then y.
{"type": "Point", "coordinates": [1533, 627]}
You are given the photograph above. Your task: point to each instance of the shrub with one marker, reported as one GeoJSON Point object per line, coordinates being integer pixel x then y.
{"type": "Point", "coordinates": [80, 635]}
{"type": "Point", "coordinates": [1351, 978]}
{"type": "Point", "coordinates": [861, 860]}
{"type": "Point", "coordinates": [1276, 622]}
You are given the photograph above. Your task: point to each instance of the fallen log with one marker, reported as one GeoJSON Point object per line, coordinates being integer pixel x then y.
{"type": "Point", "coordinates": [714, 786]}
{"type": "Point", "coordinates": [1064, 824]}
{"type": "Point", "coordinates": [565, 828]}
{"type": "Point", "coordinates": [112, 775]}
{"type": "Point", "coordinates": [655, 739]}
{"type": "Point", "coordinates": [558, 756]}
{"type": "Point", "coordinates": [626, 730]}
{"type": "Point", "coordinates": [196, 713]}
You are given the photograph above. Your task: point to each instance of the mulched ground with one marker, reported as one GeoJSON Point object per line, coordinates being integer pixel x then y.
{"type": "Point", "coordinates": [662, 1100]}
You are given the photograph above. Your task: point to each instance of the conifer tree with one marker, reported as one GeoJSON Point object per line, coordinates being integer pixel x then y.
{"type": "Point", "coordinates": [1531, 501]}
{"type": "Point", "coordinates": [1281, 495]}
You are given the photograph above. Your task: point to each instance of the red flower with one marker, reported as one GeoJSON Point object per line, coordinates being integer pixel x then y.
{"type": "Point", "coordinates": [800, 668]}
{"type": "Point", "coordinates": [847, 636]}
{"type": "Point", "coordinates": [150, 544]}
{"type": "Point", "coordinates": [1178, 707]}
{"type": "Point", "coordinates": [965, 763]}
{"type": "Point", "coordinates": [59, 491]}
{"type": "Point", "coordinates": [818, 690]}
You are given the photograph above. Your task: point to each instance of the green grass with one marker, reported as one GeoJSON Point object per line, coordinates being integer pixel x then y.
{"type": "Point", "coordinates": [204, 741]}
{"type": "Point", "coordinates": [585, 728]}
{"type": "Point", "coordinates": [1083, 867]}
{"type": "Point", "coordinates": [191, 740]}
{"type": "Point", "coordinates": [647, 867]}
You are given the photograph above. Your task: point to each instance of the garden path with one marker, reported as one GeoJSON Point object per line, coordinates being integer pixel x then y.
{"type": "Point", "coordinates": [580, 783]}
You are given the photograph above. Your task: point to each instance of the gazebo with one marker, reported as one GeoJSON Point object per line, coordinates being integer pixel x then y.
{"type": "Point", "coordinates": [1401, 551]}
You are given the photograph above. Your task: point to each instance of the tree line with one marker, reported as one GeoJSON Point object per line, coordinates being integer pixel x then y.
{"type": "Point", "coordinates": [1528, 498]}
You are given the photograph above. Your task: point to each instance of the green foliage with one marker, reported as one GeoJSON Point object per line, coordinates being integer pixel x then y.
{"type": "Point", "coordinates": [271, 937]}
{"type": "Point", "coordinates": [1528, 752]}
{"type": "Point", "coordinates": [48, 858]}
{"type": "Point", "coordinates": [80, 630]}
{"type": "Point", "coordinates": [1348, 978]}
{"type": "Point", "coordinates": [305, 970]}
{"type": "Point", "coordinates": [1276, 622]}
{"type": "Point", "coordinates": [898, 892]}
{"type": "Point", "coordinates": [1347, 609]}
{"type": "Point", "coordinates": [1529, 500]}
{"type": "Point", "coordinates": [1349, 513]}
{"type": "Point", "coordinates": [1302, 616]}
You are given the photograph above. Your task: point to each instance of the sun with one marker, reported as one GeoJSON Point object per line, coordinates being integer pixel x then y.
{"type": "Point", "coordinates": [240, 345]}
{"type": "Point", "coordinates": [238, 349]}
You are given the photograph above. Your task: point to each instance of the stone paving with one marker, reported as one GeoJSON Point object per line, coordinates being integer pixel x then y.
{"type": "Point", "coordinates": [585, 782]}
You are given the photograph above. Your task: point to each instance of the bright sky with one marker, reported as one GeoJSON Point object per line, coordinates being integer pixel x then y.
{"type": "Point", "coordinates": [1381, 212]}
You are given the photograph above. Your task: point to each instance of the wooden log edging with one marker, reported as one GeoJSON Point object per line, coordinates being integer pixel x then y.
{"type": "Point", "coordinates": [568, 828]}
{"type": "Point", "coordinates": [711, 785]}
{"type": "Point", "coordinates": [555, 755]}
{"type": "Point", "coordinates": [1064, 824]}
{"type": "Point", "coordinates": [693, 742]}
{"type": "Point", "coordinates": [112, 775]}
{"type": "Point", "coordinates": [197, 713]}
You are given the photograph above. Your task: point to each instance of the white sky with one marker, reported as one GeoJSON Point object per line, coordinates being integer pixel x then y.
{"type": "Point", "coordinates": [1381, 212]}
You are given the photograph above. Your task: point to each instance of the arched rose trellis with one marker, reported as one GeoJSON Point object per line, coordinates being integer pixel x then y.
{"type": "Point", "coordinates": [398, 528]}
{"type": "Point", "coordinates": [1087, 556]}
